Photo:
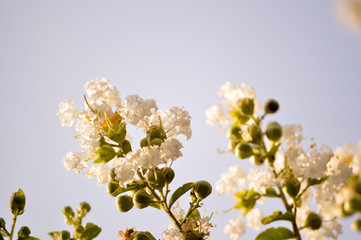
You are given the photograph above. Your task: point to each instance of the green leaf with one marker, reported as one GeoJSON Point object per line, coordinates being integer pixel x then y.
{"type": "Point", "coordinates": [271, 192]}
{"type": "Point", "coordinates": [195, 214]}
{"type": "Point", "coordinates": [277, 216]}
{"type": "Point", "coordinates": [91, 231]}
{"type": "Point", "coordinates": [244, 202]}
{"type": "Point", "coordinates": [275, 234]}
{"type": "Point", "coordinates": [253, 194]}
{"type": "Point", "coordinates": [17, 202]}
{"type": "Point", "coordinates": [315, 181]}
{"type": "Point", "coordinates": [179, 192]}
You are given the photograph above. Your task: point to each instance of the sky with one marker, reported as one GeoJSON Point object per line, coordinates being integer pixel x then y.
{"type": "Point", "coordinates": [179, 53]}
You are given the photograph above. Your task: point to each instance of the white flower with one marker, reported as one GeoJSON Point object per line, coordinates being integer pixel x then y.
{"type": "Point", "coordinates": [177, 211]}
{"type": "Point", "coordinates": [101, 173]}
{"type": "Point", "coordinates": [216, 114]}
{"type": "Point", "coordinates": [67, 113]}
{"type": "Point", "coordinates": [260, 179]}
{"type": "Point", "coordinates": [330, 229]}
{"type": "Point", "coordinates": [124, 172]}
{"type": "Point", "coordinates": [99, 91]}
{"type": "Point", "coordinates": [172, 233]}
{"type": "Point", "coordinates": [235, 228]}
{"type": "Point", "coordinates": [292, 134]}
{"type": "Point", "coordinates": [145, 157]}
{"type": "Point", "coordinates": [254, 219]}
{"type": "Point", "coordinates": [170, 149]}
{"type": "Point", "coordinates": [231, 181]}
{"type": "Point", "coordinates": [136, 108]}
{"type": "Point", "coordinates": [74, 161]}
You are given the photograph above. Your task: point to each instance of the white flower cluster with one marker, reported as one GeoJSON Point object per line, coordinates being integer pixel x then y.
{"type": "Point", "coordinates": [104, 105]}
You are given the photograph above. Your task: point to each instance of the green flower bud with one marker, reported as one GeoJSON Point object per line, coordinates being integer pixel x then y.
{"type": "Point", "coordinates": [24, 232]}
{"type": "Point", "coordinates": [69, 214]}
{"type": "Point", "coordinates": [238, 117]}
{"type": "Point", "coordinates": [143, 236]}
{"type": "Point", "coordinates": [243, 150]}
{"type": "Point", "coordinates": [17, 202]}
{"type": "Point", "coordinates": [293, 186]}
{"type": "Point", "coordinates": [271, 106]}
{"type": "Point", "coordinates": [78, 231]}
{"type": "Point", "coordinates": [105, 153]}
{"type": "Point", "coordinates": [65, 235]}
{"type": "Point", "coordinates": [246, 105]}
{"type": "Point", "coordinates": [144, 142]}
{"type": "Point", "coordinates": [202, 189]}
{"type": "Point", "coordinates": [156, 132]}
{"type": "Point", "coordinates": [313, 221]}
{"type": "Point", "coordinates": [142, 199]}
{"type": "Point", "coordinates": [234, 133]}
{"type": "Point", "coordinates": [168, 175]}
{"type": "Point", "coordinates": [118, 133]}
{"type": "Point", "coordinates": [274, 131]}
{"type": "Point", "coordinates": [2, 223]}
{"type": "Point", "coordinates": [356, 225]}
{"type": "Point", "coordinates": [156, 178]}
{"type": "Point", "coordinates": [346, 210]}
{"type": "Point", "coordinates": [257, 160]}
{"type": "Point", "coordinates": [156, 141]}
{"type": "Point", "coordinates": [112, 186]}
{"type": "Point", "coordinates": [83, 209]}
{"type": "Point", "coordinates": [111, 174]}
{"type": "Point", "coordinates": [192, 197]}
{"type": "Point", "coordinates": [193, 235]}
{"type": "Point", "coordinates": [126, 147]}
{"type": "Point", "coordinates": [124, 203]}
{"type": "Point", "coordinates": [357, 186]}
{"type": "Point", "coordinates": [354, 204]}
{"type": "Point", "coordinates": [256, 134]}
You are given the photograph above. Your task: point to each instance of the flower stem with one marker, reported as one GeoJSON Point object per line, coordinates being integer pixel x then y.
{"type": "Point", "coordinates": [13, 227]}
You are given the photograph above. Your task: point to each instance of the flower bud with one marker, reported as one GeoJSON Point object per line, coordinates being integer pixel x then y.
{"type": "Point", "coordinates": [124, 203]}
{"type": "Point", "coordinates": [246, 105]}
{"type": "Point", "coordinates": [271, 106]}
{"type": "Point", "coordinates": [126, 147]}
{"type": "Point", "coordinates": [202, 189]}
{"type": "Point", "coordinates": [143, 236]}
{"type": "Point", "coordinates": [78, 231]}
{"type": "Point", "coordinates": [243, 150]}
{"type": "Point", "coordinates": [83, 209]}
{"type": "Point", "coordinates": [112, 186]}
{"type": "Point", "coordinates": [168, 175]}
{"type": "Point", "coordinates": [194, 235]}
{"type": "Point", "coordinates": [257, 160]}
{"type": "Point", "coordinates": [17, 202]}
{"type": "Point", "coordinates": [105, 153]}
{"type": "Point", "coordinates": [69, 214]}
{"type": "Point", "coordinates": [313, 221]}
{"type": "Point", "coordinates": [144, 142]}
{"type": "Point", "coordinates": [192, 197]}
{"type": "Point", "coordinates": [156, 132]}
{"type": "Point", "coordinates": [345, 210]}
{"type": "Point", "coordinates": [356, 225]}
{"type": "Point", "coordinates": [156, 141]}
{"type": "Point", "coordinates": [2, 223]}
{"type": "Point", "coordinates": [142, 199]}
{"type": "Point", "coordinates": [274, 131]}
{"type": "Point", "coordinates": [24, 232]}
{"type": "Point", "coordinates": [156, 178]}
{"type": "Point", "coordinates": [293, 186]}
{"type": "Point", "coordinates": [111, 175]}
{"type": "Point", "coordinates": [65, 235]}
{"type": "Point", "coordinates": [238, 117]}
{"type": "Point", "coordinates": [234, 133]}
{"type": "Point", "coordinates": [357, 186]}
{"type": "Point", "coordinates": [354, 204]}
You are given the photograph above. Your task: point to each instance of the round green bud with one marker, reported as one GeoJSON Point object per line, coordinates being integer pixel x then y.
{"type": "Point", "coordinates": [257, 160]}
{"type": "Point", "coordinates": [271, 106]}
{"type": "Point", "coordinates": [156, 141]}
{"type": "Point", "coordinates": [202, 189]}
{"type": "Point", "coordinates": [65, 235]}
{"type": "Point", "coordinates": [112, 186]}
{"type": "Point", "coordinates": [193, 235]}
{"type": "Point", "coordinates": [111, 174]}
{"type": "Point", "coordinates": [156, 178]}
{"type": "Point", "coordinates": [243, 150]}
{"type": "Point", "coordinates": [2, 223]}
{"type": "Point", "coordinates": [124, 203]}
{"type": "Point", "coordinates": [238, 117]}
{"type": "Point", "coordinates": [274, 131]}
{"type": "Point", "coordinates": [293, 186]}
{"type": "Point", "coordinates": [126, 147]}
{"type": "Point", "coordinates": [85, 206]}
{"type": "Point", "coordinates": [256, 134]}
{"type": "Point", "coordinates": [356, 225]}
{"type": "Point", "coordinates": [78, 231]}
{"type": "Point", "coordinates": [156, 132]}
{"type": "Point", "coordinates": [313, 221]}
{"type": "Point", "coordinates": [142, 199]}
{"type": "Point", "coordinates": [354, 204]}
{"type": "Point", "coordinates": [357, 186]}
{"type": "Point", "coordinates": [246, 106]}
{"type": "Point", "coordinates": [144, 142]}
{"type": "Point", "coordinates": [346, 210]}
{"type": "Point", "coordinates": [24, 232]}
{"type": "Point", "coordinates": [234, 133]}
{"type": "Point", "coordinates": [168, 175]}
{"type": "Point", "coordinates": [17, 202]}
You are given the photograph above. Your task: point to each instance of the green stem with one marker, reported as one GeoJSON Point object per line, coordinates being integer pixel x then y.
{"type": "Point", "coordinates": [190, 210]}
{"type": "Point", "coordinates": [13, 227]}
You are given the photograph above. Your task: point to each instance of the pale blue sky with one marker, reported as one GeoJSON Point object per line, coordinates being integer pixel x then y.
{"type": "Point", "coordinates": [180, 53]}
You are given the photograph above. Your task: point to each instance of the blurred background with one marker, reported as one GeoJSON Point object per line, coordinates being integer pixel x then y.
{"type": "Point", "coordinates": [306, 54]}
